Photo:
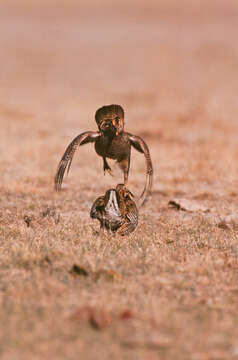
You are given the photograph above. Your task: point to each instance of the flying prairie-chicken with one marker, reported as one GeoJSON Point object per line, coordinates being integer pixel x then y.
{"type": "Point", "coordinates": [116, 211]}
{"type": "Point", "coordinates": [111, 141]}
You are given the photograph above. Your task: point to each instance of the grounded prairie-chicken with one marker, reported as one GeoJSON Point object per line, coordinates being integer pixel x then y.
{"type": "Point", "coordinates": [111, 141]}
{"type": "Point", "coordinates": [116, 211]}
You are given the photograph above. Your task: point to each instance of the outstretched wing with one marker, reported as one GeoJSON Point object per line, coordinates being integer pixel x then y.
{"type": "Point", "coordinates": [139, 144]}
{"type": "Point", "coordinates": [65, 162]}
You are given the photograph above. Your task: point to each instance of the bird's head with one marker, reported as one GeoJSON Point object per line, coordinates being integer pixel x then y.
{"type": "Point", "coordinates": [110, 119]}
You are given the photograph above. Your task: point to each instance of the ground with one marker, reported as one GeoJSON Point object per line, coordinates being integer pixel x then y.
{"type": "Point", "coordinates": [170, 289]}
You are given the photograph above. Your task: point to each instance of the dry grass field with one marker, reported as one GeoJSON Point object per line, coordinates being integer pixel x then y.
{"type": "Point", "coordinates": [170, 289]}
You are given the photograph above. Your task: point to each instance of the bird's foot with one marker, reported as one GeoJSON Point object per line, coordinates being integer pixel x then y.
{"type": "Point", "coordinates": [108, 169]}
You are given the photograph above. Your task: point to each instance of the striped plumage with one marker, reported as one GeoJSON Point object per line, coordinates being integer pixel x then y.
{"type": "Point", "coordinates": [111, 141]}
{"type": "Point", "coordinates": [116, 211]}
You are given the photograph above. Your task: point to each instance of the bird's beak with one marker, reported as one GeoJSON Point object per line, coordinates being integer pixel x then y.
{"type": "Point", "coordinates": [115, 126]}
{"type": "Point", "coordinates": [129, 194]}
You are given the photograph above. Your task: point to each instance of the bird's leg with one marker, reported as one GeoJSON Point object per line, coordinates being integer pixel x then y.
{"type": "Point", "coordinates": [106, 167]}
{"type": "Point", "coordinates": [125, 178]}
{"type": "Point", "coordinates": [101, 231]}
{"type": "Point", "coordinates": [102, 225]}
{"type": "Point", "coordinates": [124, 165]}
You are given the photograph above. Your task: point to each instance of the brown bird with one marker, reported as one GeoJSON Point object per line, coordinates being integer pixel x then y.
{"type": "Point", "coordinates": [111, 141]}
{"type": "Point", "coordinates": [116, 211]}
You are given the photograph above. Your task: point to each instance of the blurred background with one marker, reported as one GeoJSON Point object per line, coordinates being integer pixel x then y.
{"type": "Point", "coordinates": [171, 65]}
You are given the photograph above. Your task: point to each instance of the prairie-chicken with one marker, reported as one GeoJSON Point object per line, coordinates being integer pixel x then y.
{"type": "Point", "coordinates": [116, 211]}
{"type": "Point", "coordinates": [111, 141]}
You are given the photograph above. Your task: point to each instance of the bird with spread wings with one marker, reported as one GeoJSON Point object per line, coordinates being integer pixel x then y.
{"type": "Point", "coordinates": [111, 141]}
